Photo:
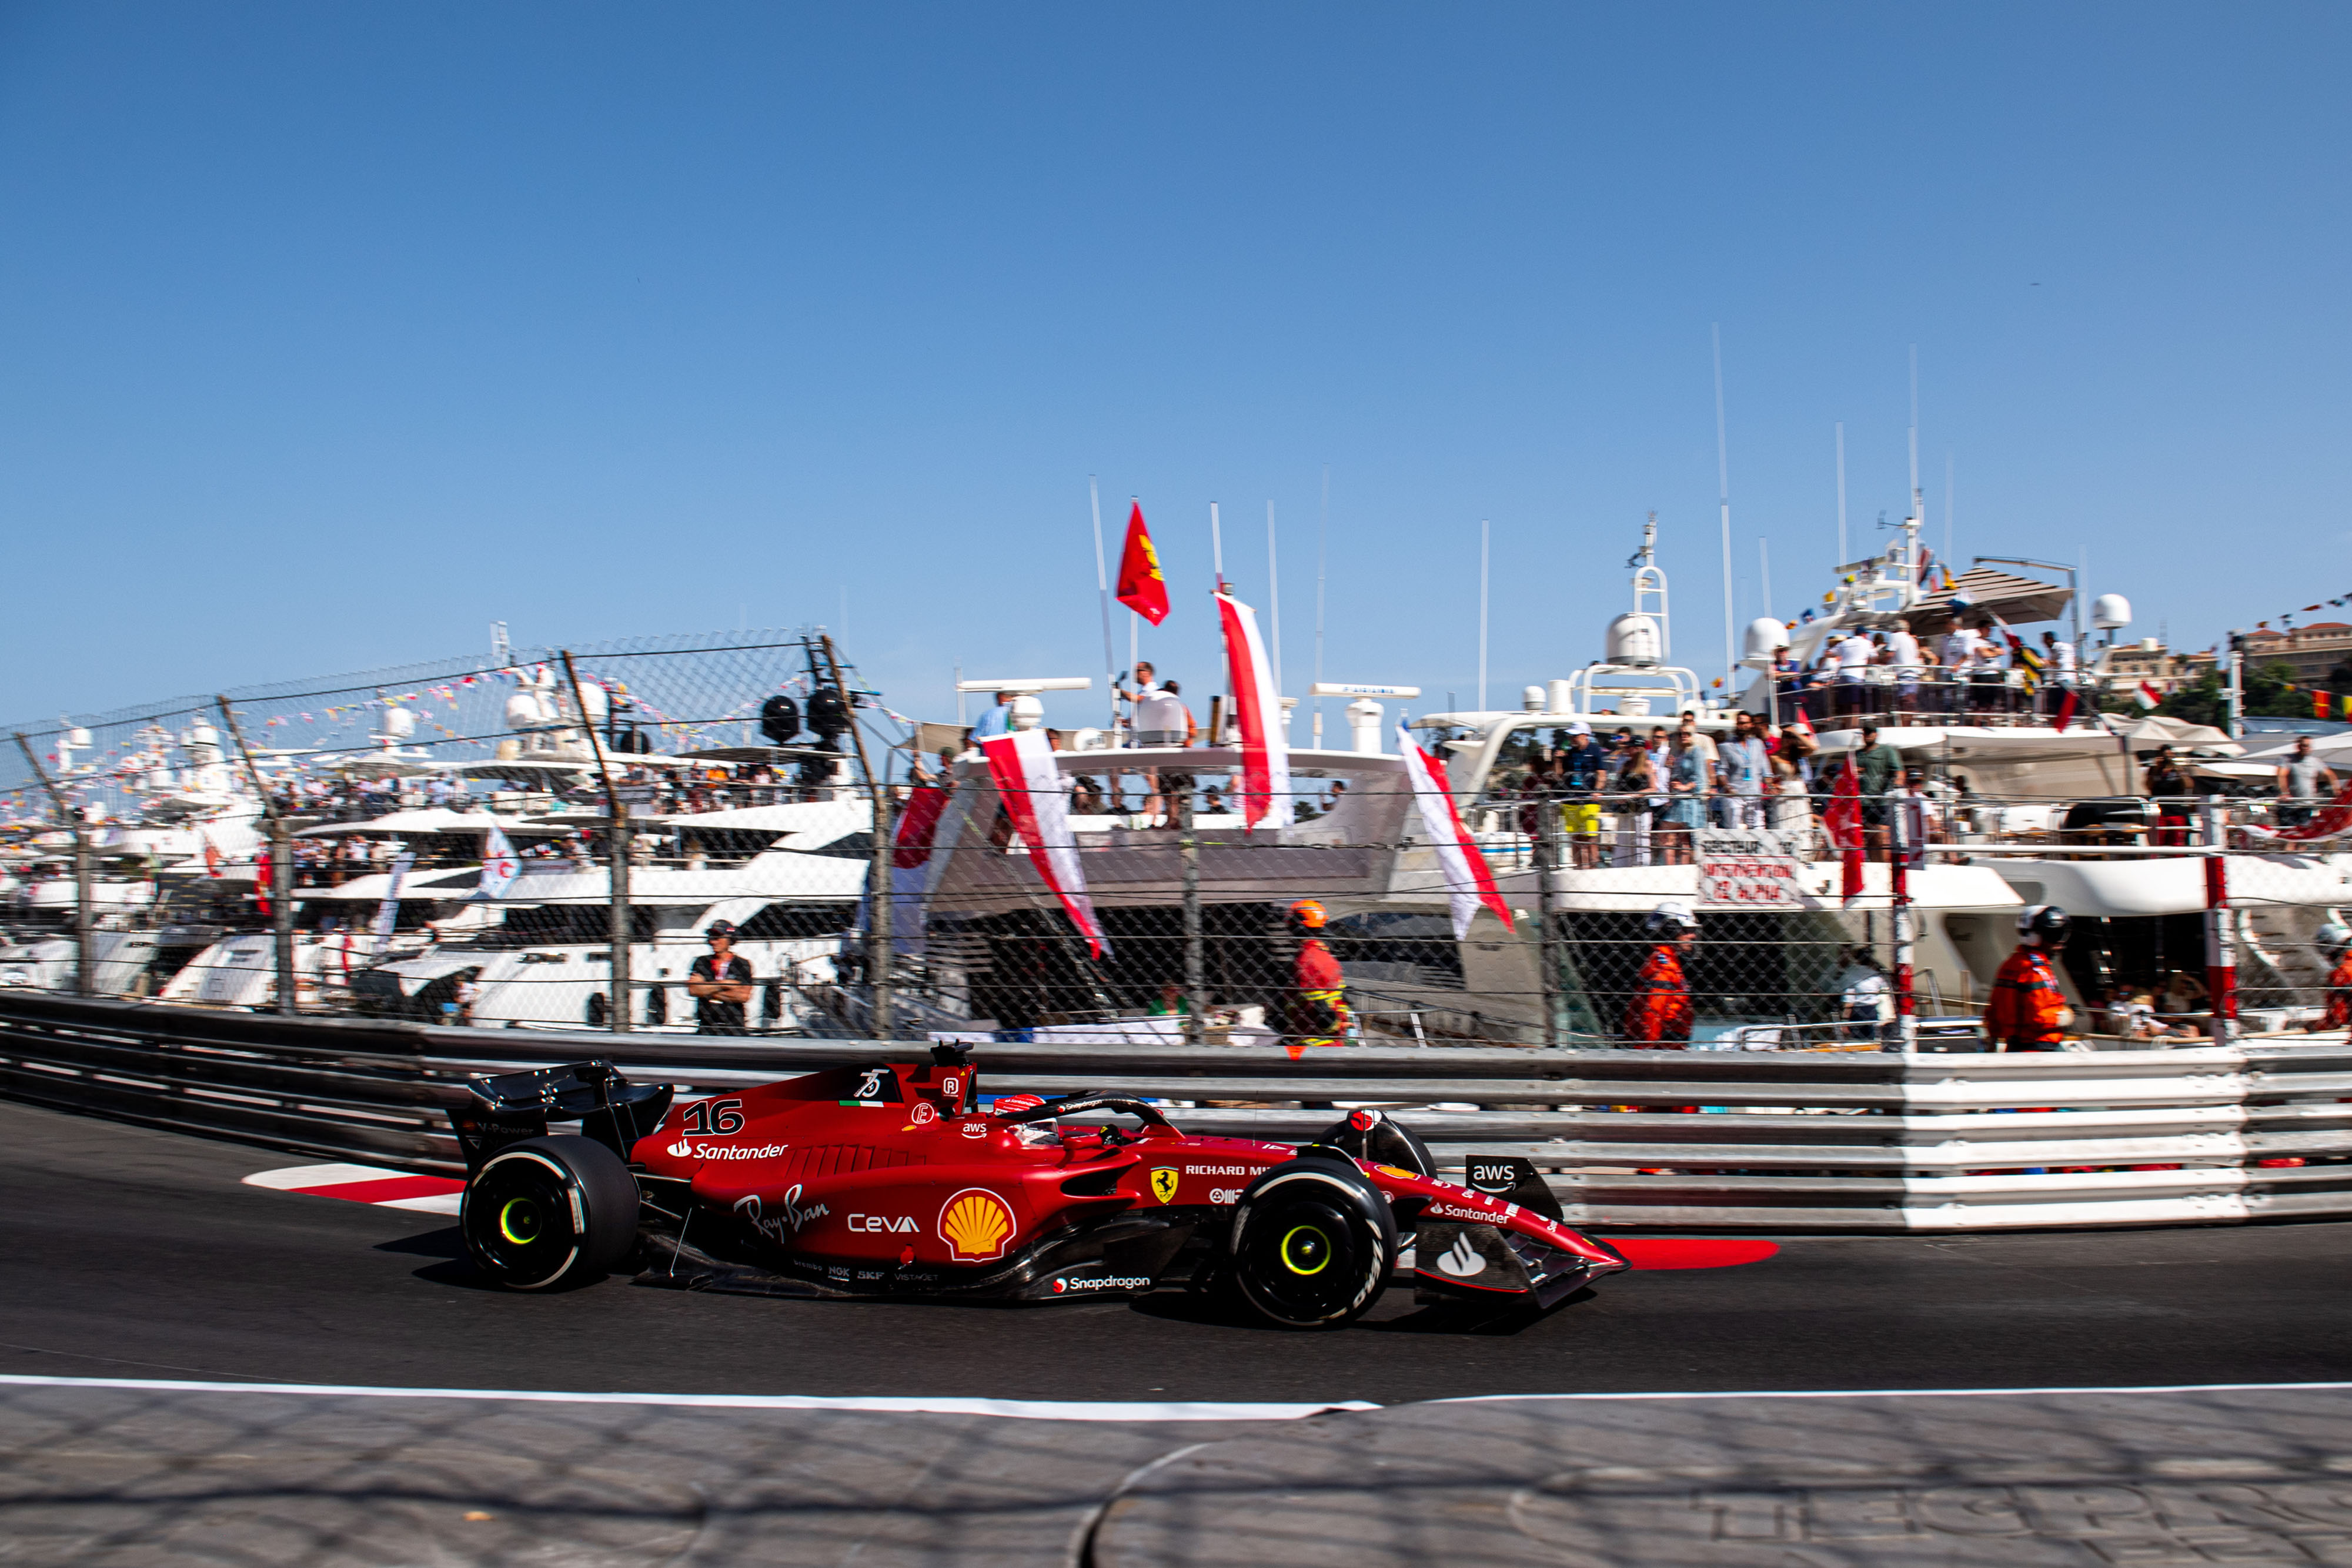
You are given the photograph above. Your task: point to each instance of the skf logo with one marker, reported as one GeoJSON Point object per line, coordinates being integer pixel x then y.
{"type": "Point", "coordinates": [976, 1225]}
{"type": "Point", "coordinates": [1163, 1183]}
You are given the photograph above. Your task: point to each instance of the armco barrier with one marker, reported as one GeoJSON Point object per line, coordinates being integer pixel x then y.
{"type": "Point", "coordinates": [1781, 1140]}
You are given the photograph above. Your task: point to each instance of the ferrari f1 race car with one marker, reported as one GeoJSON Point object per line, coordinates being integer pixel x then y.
{"type": "Point", "coordinates": [891, 1180]}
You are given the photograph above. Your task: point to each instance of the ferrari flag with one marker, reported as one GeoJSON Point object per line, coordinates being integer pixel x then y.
{"type": "Point", "coordinates": [1258, 711]}
{"type": "Point", "coordinates": [1140, 587]}
{"type": "Point", "coordinates": [1468, 882]}
{"type": "Point", "coordinates": [1022, 767]}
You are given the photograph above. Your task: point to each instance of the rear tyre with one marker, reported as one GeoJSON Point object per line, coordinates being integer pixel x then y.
{"type": "Point", "coordinates": [1312, 1245]}
{"type": "Point", "coordinates": [548, 1214]}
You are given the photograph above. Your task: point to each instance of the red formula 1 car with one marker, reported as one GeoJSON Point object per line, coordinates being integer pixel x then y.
{"type": "Point", "coordinates": [888, 1180]}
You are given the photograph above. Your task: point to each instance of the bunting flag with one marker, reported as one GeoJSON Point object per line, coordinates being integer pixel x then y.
{"type": "Point", "coordinates": [2147, 696]}
{"type": "Point", "coordinates": [1258, 711]}
{"type": "Point", "coordinates": [499, 866]}
{"type": "Point", "coordinates": [1843, 823]}
{"type": "Point", "coordinates": [1140, 587]}
{"type": "Point", "coordinates": [910, 853]}
{"type": "Point", "coordinates": [2320, 704]}
{"type": "Point", "coordinates": [262, 881]}
{"type": "Point", "coordinates": [1022, 766]}
{"type": "Point", "coordinates": [1468, 881]}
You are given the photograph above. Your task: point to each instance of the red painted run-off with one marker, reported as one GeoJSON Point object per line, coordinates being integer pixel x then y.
{"type": "Point", "coordinates": [388, 1190]}
{"type": "Point", "coordinates": [1691, 1252]}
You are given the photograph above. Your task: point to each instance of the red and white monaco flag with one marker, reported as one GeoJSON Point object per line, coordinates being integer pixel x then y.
{"type": "Point", "coordinates": [2147, 696]}
{"type": "Point", "coordinates": [1468, 882]}
{"type": "Point", "coordinates": [1257, 709]}
{"type": "Point", "coordinates": [1022, 766]}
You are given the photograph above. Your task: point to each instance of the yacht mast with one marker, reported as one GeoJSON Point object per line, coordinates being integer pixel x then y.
{"type": "Point", "coordinates": [1723, 484]}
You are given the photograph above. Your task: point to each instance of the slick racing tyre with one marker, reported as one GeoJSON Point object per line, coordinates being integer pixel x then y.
{"type": "Point", "coordinates": [550, 1213]}
{"type": "Point", "coordinates": [1312, 1244]}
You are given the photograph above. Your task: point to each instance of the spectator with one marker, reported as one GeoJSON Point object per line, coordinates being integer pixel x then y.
{"type": "Point", "coordinates": [1853, 655]}
{"type": "Point", "coordinates": [2303, 780]}
{"type": "Point", "coordinates": [1161, 718]}
{"type": "Point", "coordinates": [1878, 766]}
{"type": "Point", "coordinates": [1745, 766]}
{"type": "Point", "coordinates": [1637, 789]}
{"type": "Point", "coordinates": [2164, 783]}
{"type": "Point", "coordinates": [1688, 781]}
{"type": "Point", "coordinates": [1903, 649]}
{"type": "Point", "coordinates": [996, 721]}
{"type": "Point", "coordinates": [720, 983]}
{"type": "Point", "coordinates": [1147, 684]}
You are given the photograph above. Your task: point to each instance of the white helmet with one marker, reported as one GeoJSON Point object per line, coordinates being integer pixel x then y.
{"type": "Point", "coordinates": [2335, 934]}
{"type": "Point", "coordinates": [2043, 923]}
{"type": "Point", "coordinates": [1671, 918]}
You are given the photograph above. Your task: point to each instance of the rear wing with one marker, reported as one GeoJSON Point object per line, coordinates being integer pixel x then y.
{"type": "Point", "coordinates": [509, 1107]}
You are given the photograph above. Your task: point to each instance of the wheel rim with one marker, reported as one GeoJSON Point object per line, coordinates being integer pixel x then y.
{"type": "Point", "coordinates": [518, 1220]}
{"type": "Point", "coordinates": [1304, 1249]}
{"type": "Point", "coordinates": [1303, 1260]}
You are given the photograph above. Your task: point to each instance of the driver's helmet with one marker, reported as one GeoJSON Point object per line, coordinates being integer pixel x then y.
{"type": "Point", "coordinates": [1045, 1131]}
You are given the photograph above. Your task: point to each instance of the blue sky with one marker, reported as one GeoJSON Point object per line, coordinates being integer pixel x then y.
{"type": "Point", "coordinates": [329, 334]}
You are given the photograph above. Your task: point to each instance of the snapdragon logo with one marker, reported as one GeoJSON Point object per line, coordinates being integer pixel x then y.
{"type": "Point", "coordinates": [1103, 1282]}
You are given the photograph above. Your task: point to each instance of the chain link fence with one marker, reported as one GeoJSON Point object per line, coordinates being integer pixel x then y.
{"type": "Point", "coordinates": [535, 841]}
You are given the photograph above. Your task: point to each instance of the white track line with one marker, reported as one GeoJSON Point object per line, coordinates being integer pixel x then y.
{"type": "Point", "coordinates": [1924, 1392]}
{"type": "Point", "coordinates": [1014, 1409]}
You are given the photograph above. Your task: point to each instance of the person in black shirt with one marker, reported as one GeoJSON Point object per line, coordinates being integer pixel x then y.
{"type": "Point", "coordinates": [720, 983]}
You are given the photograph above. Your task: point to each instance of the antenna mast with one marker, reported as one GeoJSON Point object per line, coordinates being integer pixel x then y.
{"type": "Point", "coordinates": [1919, 517]}
{"type": "Point", "coordinates": [1723, 483]}
{"type": "Point", "coordinates": [1649, 578]}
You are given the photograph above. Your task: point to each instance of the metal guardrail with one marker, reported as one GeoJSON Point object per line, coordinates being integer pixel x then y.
{"type": "Point", "coordinates": [1858, 1141]}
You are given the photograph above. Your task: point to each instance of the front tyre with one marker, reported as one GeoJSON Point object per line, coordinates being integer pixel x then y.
{"type": "Point", "coordinates": [550, 1213]}
{"type": "Point", "coordinates": [1312, 1244]}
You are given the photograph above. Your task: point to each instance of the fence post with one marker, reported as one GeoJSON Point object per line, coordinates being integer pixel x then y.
{"type": "Point", "coordinates": [1910, 833]}
{"type": "Point", "coordinates": [2220, 953]}
{"type": "Point", "coordinates": [84, 984]}
{"type": "Point", "coordinates": [281, 869]}
{"type": "Point", "coordinates": [877, 875]}
{"type": "Point", "coordinates": [620, 929]}
{"type": "Point", "coordinates": [1547, 847]}
{"type": "Point", "coordinates": [1188, 850]}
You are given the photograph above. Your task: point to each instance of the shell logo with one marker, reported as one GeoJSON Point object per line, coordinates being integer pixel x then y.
{"type": "Point", "coordinates": [976, 1225]}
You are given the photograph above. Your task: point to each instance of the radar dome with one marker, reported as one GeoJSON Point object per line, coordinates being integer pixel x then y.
{"type": "Point", "coordinates": [1765, 638]}
{"type": "Point", "coordinates": [2110, 611]}
{"type": "Point", "coordinates": [1632, 639]}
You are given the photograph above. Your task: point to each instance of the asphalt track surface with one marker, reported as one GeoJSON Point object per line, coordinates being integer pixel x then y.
{"type": "Point", "coordinates": [133, 1253]}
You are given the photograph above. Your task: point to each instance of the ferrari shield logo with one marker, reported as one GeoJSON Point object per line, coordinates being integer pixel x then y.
{"type": "Point", "coordinates": [1163, 1184]}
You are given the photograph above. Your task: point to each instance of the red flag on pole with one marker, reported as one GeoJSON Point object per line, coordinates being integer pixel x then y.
{"type": "Point", "coordinates": [2066, 706]}
{"type": "Point", "coordinates": [1842, 821]}
{"type": "Point", "coordinates": [1140, 587]}
{"type": "Point", "coordinates": [262, 881]}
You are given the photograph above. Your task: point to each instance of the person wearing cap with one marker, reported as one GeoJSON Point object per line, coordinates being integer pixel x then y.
{"type": "Point", "coordinates": [1584, 774]}
{"type": "Point", "coordinates": [2028, 1011]}
{"type": "Point", "coordinates": [1316, 1009]}
{"type": "Point", "coordinates": [720, 981]}
{"type": "Point", "coordinates": [1659, 1017]}
{"type": "Point", "coordinates": [2336, 942]}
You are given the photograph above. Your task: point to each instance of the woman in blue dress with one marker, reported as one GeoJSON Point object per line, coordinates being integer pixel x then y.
{"type": "Point", "coordinates": [1686, 787]}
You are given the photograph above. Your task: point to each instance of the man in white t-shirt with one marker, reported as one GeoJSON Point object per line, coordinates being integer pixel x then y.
{"type": "Point", "coordinates": [1960, 652]}
{"type": "Point", "coordinates": [1908, 667]}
